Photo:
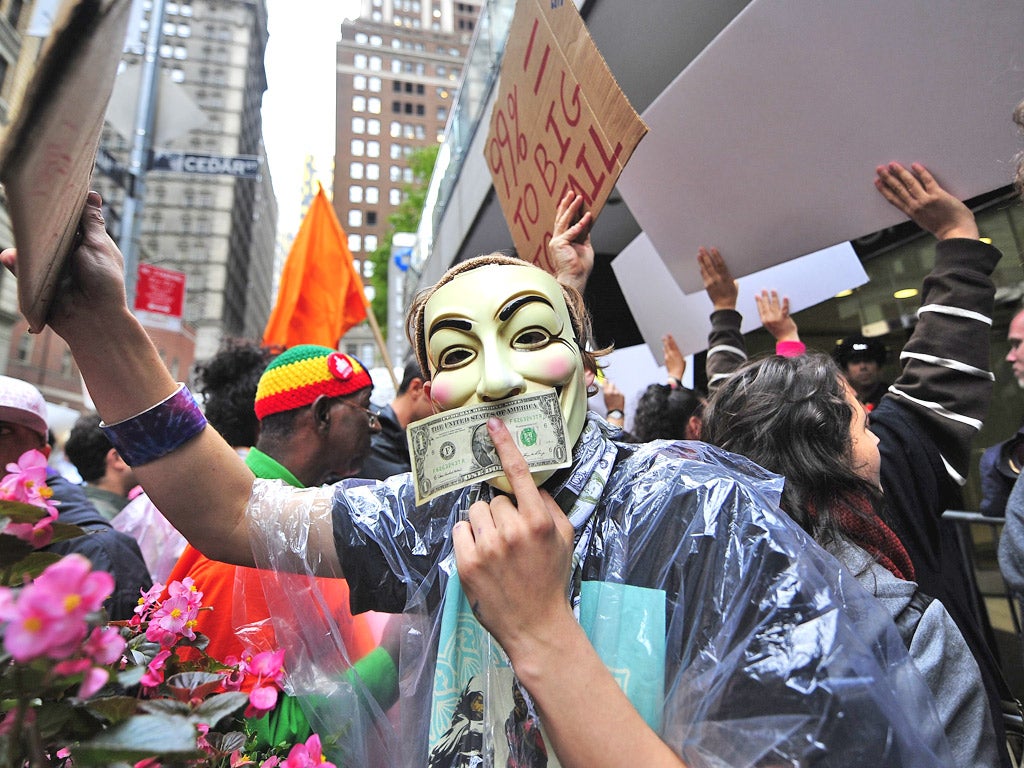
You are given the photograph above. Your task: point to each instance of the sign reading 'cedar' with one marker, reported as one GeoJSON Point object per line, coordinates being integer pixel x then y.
{"type": "Point", "coordinates": [560, 121]}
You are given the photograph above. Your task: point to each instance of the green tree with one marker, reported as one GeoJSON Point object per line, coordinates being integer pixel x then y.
{"type": "Point", "coordinates": [406, 218]}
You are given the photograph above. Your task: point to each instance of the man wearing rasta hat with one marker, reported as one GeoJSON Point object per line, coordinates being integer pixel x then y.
{"type": "Point", "coordinates": [733, 638]}
{"type": "Point", "coordinates": [314, 428]}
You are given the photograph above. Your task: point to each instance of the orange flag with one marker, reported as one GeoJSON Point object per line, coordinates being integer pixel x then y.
{"type": "Point", "coordinates": [321, 295]}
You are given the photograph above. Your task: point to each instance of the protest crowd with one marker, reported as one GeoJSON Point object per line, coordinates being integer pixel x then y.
{"type": "Point", "coordinates": [755, 573]}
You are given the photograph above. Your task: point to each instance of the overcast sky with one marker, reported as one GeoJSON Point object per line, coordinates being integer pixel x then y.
{"type": "Point", "coordinates": [298, 107]}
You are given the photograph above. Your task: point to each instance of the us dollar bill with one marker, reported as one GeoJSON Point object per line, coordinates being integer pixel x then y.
{"type": "Point", "coordinates": [451, 450]}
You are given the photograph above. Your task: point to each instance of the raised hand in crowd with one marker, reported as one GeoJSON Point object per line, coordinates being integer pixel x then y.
{"type": "Point", "coordinates": [675, 363]}
{"type": "Point", "coordinates": [569, 250]}
{"type": "Point", "coordinates": [718, 281]}
{"type": "Point", "coordinates": [614, 403]}
{"type": "Point", "coordinates": [774, 314]}
{"type": "Point", "coordinates": [919, 196]}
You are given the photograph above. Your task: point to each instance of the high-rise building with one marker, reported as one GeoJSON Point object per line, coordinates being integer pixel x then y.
{"type": "Point", "coordinates": [399, 67]}
{"type": "Point", "coordinates": [218, 229]}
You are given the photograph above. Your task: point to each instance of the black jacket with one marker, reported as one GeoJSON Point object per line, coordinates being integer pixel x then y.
{"type": "Point", "coordinates": [107, 549]}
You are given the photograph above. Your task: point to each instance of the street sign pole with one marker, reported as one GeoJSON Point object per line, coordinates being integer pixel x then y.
{"type": "Point", "coordinates": [142, 144]}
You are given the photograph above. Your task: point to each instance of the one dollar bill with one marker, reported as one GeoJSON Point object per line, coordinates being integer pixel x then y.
{"type": "Point", "coordinates": [451, 450]}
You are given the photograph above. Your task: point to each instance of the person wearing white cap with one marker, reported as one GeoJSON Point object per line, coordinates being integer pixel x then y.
{"type": "Point", "coordinates": [24, 426]}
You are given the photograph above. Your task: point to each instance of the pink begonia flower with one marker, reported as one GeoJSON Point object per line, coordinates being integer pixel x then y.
{"type": "Point", "coordinates": [38, 534]}
{"type": "Point", "coordinates": [268, 665]}
{"type": "Point", "coordinates": [237, 759]}
{"type": "Point", "coordinates": [32, 631]}
{"type": "Point", "coordinates": [94, 679]}
{"type": "Point", "coordinates": [71, 667]}
{"type": "Point", "coordinates": [73, 587]}
{"type": "Point", "coordinates": [186, 587]}
{"type": "Point", "coordinates": [149, 762]}
{"type": "Point", "coordinates": [175, 616]}
{"type": "Point", "coordinates": [105, 645]}
{"type": "Point", "coordinates": [154, 674]}
{"type": "Point", "coordinates": [26, 480]}
{"type": "Point", "coordinates": [201, 742]}
{"type": "Point", "coordinates": [308, 755]}
{"type": "Point", "coordinates": [262, 699]}
{"type": "Point", "coordinates": [149, 599]}
{"type": "Point", "coordinates": [271, 762]}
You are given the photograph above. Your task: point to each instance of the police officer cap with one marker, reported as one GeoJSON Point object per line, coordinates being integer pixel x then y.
{"type": "Point", "coordinates": [859, 347]}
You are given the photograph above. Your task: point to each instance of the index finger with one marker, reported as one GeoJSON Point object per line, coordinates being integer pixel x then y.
{"type": "Point", "coordinates": [517, 471]}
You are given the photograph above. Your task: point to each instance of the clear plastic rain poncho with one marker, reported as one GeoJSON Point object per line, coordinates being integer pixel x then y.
{"type": "Point", "coordinates": [737, 638]}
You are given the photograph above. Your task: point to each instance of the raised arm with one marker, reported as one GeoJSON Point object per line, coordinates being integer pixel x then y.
{"type": "Point", "coordinates": [945, 379]}
{"type": "Point", "coordinates": [514, 560]}
{"type": "Point", "coordinates": [726, 349]}
{"type": "Point", "coordinates": [200, 486]}
{"type": "Point", "coordinates": [775, 317]}
{"type": "Point", "coordinates": [569, 250]}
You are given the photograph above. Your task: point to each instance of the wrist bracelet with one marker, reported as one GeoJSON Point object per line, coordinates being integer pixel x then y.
{"type": "Point", "coordinates": [674, 382]}
{"type": "Point", "coordinates": [615, 413]}
{"type": "Point", "coordinates": [158, 430]}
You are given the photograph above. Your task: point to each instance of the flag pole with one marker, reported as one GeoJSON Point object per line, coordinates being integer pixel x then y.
{"type": "Point", "coordinates": [381, 346]}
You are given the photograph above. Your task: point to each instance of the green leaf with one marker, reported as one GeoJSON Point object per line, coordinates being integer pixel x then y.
{"type": "Point", "coordinates": [13, 549]}
{"type": "Point", "coordinates": [36, 563]}
{"type": "Point", "coordinates": [226, 743]}
{"type": "Point", "coordinates": [20, 512]}
{"type": "Point", "coordinates": [114, 709]}
{"type": "Point", "coordinates": [191, 685]}
{"type": "Point", "coordinates": [165, 707]}
{"type": "Point", "coordinates": [217, 707]}
{"type": "Point", "coordinates": [64, 531]}
{"type": "Point", "coordinates": [142, 736]}
{"type": "Point", "coordinates": [131, 676]}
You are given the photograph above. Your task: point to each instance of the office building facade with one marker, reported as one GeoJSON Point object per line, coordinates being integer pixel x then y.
{"type": "Point", "coordinates": [399, 66]}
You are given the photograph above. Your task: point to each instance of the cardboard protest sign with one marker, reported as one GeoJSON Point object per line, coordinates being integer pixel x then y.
{"type": "Point", "coordinates": [560, 121]}
{"type": "Point", "coordinates": [50, 149]}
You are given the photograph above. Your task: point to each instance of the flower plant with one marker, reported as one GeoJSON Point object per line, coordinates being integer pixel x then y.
{"type": "Point", "coordinates": [77, 690]}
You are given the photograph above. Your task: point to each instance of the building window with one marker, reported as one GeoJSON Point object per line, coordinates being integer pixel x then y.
{"type": "Point", "coordinates": [407, 175]}
{"type": "Point", "coordinates": [376, 41]}
{"type": "Point", "coordinates": [395, 196]}
{"type": "Point", "coordinates": [373, 149]}
{"type": "Point", "coordinates": [361, 38]}
{"type": "Point", "coordinates": [355, 170]}
{"type": "Point", "coordinates": [395, 173]}
{"type": "Point", "coordinates": [375, 63]}
{"type": "Point", "coordinates": [396, 107]}
{"type": "Point", "coordinates": [373, 105]}
{"type": "Point", "coordinates": [358, 103]}
{"type": "Point", "coordinates": [419, 110]}
{"type": "Point", "coordinates": [373, 127]}
{"type": "Point", "coordinates": [372, 171]}
{"type": "Point", "coordinates": [358, 125]}
{"type": "Point", "coordinates": [396, 151]}
{"type": "Point", "coordinates": [358, 147]}
{"type": "Point", "coordinates": [355, 243]}
{"type": "Point", "coordinates": [370, 242]}
{"type": "Point", "coordinates": [355, 194]}
{"type": "Point", "coordinates": [359, 61]}
{"type": "Point", "coordinates": [371, 219]}
{"type": "Point", "coordinates": [355, 217]}
{"type": "Point", "coordinates": [396, 66]}
{"type": "Point", "coordinates": [368, 268]}
{"type": "Point", "coordinates": [396, 129]}
{"type": "Point", "coordinates": [359, 82]}
{"type": "Point", "coordinates": [373, 84]}
{"type": "Point", "coordinates": [442, 113]}
{"type": "Point", "coordinates": [372, 196]}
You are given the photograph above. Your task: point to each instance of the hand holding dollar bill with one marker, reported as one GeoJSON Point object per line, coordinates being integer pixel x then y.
{"type": "Point", "coordinates": [451, 450]}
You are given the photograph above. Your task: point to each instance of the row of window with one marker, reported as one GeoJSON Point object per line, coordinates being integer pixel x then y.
{"type": "Point", "coordinates": [376, 41]}
{"type": "Point", "coordinates": [371, 195]}
{"type": "Point", "coordinates": [371, 127]}
{"type": "Point", "coordinates": [359, 243]}
{"type": "Point", "coordinates": [400, 66]}
{"type": "Point", "coordinates": [356, 218]}
{"type": "Point", "coordinates": [171, 9]}
{"type": "Point", "coordinates": [371, 172]}
{"type": "Point", "coordinates": [399, 107]}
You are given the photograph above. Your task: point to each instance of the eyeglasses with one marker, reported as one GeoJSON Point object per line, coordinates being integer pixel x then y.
{"type": "Point", "coordinates": [371, 417]}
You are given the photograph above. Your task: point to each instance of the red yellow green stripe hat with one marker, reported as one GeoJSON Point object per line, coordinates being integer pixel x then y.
{"type": "Point", "coordinates": [299, 375]}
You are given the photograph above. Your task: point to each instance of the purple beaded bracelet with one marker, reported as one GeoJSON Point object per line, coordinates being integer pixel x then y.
{"type": "Point", "coordinates": [157, 431]}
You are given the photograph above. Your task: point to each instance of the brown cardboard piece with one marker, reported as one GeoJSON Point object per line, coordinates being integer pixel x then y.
{"type": "Point", "coordinates": [48, 153]}
{"type": "Point", "coordinates": [560, 120]}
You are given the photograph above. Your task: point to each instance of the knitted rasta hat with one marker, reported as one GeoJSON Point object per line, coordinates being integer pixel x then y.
{"type": "Point", "coordinates": [301, 374]}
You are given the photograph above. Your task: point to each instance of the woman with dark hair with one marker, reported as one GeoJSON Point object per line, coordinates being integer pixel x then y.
{"type": "Point", "coordinates": [798, 416]}
{"type": "Point", "coordinates": [667, 413]}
